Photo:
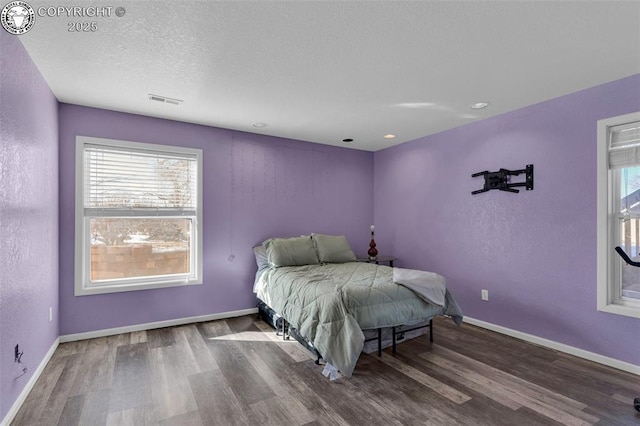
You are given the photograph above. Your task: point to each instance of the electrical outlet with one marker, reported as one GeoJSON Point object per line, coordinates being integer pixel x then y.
{"type": "Point", "coordinates": [50, 313]}
{"type": "Point", "coordinates": [484, 294]}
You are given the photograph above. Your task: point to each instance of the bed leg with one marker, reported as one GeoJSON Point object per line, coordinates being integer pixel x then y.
{"type": "Point", "coordinates": [431, 330]}
{"type": "Point", "coordinates": [393, 339]}
{"type": "Point", "coordinates": [379, 342]}
{"type": "Point", "coordinates": [285, 329]}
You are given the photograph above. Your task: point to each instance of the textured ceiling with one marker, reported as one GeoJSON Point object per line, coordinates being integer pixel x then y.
{"type": "Point", "coordinates": [323, 71]}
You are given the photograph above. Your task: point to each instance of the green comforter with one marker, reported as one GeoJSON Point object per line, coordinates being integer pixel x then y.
{"type": "Point", "coordinates": [331, 304]}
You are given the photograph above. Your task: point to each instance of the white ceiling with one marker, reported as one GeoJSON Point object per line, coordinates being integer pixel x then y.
{"type": "Point", "coordinates": [323, 71]}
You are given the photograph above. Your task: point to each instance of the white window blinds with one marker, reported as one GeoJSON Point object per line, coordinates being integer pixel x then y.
{"type": "Point", "coordinates": [624, 145]}
{"type": "Point", "coordinates": [121, 179]}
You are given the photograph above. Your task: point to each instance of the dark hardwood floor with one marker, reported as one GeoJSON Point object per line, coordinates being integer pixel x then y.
{"type": "Point", "coordinates": [237, 372]}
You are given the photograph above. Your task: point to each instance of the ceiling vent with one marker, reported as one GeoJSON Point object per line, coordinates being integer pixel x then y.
{"type": "Point", "coordinates": [164, 99]}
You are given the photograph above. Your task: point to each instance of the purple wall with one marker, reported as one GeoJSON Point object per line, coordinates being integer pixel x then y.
{"type": "Point", "coordinates": [255, 187]}
{"type": "Point", "coordinates": [534, 251]}
{"type": "Point", "coordinates": [28, 216]}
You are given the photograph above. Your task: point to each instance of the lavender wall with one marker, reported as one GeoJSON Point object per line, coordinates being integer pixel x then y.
{"type": "Point", "coordinates": [254, 187]}
{"type": "Point", "coordinates": [28, 216]}
{"type": "Point", "coordinates": [534, 251]}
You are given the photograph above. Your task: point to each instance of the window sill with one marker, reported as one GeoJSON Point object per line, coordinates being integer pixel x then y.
{"type": "Point", "coordinates": [626, 310]}
{"type": "Point", "coordinates": [120, 288]}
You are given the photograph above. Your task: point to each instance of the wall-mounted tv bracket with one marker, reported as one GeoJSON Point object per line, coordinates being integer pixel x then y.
{"type": "Point", "coordinates": [625, 257]}
{"type": "Point", "coordinates": [501, 180]}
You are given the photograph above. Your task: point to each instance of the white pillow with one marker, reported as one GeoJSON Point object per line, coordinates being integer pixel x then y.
{"type": "Point", "coordinates": [262, 260]}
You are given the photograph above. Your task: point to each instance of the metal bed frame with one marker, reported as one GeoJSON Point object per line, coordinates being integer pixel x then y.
{"type": "Point", "coordinates": [284, 329]}
{"type": "Point", "coordinates": [395, 334]}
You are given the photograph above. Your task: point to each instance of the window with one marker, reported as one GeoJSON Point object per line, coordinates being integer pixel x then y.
{"type": "Point", "coordinates": [138, 216]}
{"type": "Point", "coordinates": [619, 214]}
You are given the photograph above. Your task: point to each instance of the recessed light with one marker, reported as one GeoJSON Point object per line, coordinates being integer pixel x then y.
{"type": "Point", "coordinates": [347, 140]}
{"type": "Point", "coordinates": [259, 125]}
{"type": "Point", "coordinates": [479, 105]}
{"type": "Point", "coordinates": [389, 136]}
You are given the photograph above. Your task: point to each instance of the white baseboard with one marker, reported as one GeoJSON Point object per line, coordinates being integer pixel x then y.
{"type": "Point", "coordinates": [561, 347]}
{"type": "Point", "coordinates": [151, 325]}
{"type": "Point", "coordinates": [11, 414]}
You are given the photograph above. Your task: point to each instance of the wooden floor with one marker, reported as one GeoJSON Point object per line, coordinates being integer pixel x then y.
{"type": "Point", "coordinates": [236, 372]}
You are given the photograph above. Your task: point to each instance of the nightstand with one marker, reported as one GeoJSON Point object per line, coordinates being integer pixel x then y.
{"type": "Point", "coordinates": [379, 260]}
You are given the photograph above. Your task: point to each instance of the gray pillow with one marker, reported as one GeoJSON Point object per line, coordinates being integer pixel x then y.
{"type": "Point", "coordinates": [261, 257]}
{"type": "Point", "coordinates": [333, 248]}
{"type": "Point", "coordinates": [296, 251]}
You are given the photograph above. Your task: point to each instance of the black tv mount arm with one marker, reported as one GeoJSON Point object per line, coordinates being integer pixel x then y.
{"type": "Point", "coordinates": [501, 180]}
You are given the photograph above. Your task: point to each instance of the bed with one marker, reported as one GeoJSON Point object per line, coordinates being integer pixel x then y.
{"type": "Point", "coordinates": [330, 300]}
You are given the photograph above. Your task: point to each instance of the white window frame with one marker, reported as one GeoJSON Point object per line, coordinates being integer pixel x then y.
{"type": "Point", "coordinates": [609, 262]}
{"type": "Point", "coordinates": [83, 285]}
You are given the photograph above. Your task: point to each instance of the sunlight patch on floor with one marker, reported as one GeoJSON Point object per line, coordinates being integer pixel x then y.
{"type": "Point", "coordinates": [250, 336]}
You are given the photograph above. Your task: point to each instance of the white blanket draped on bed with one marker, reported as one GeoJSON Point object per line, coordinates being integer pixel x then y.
{"type": "Point", "coordinates": [429, 286]}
